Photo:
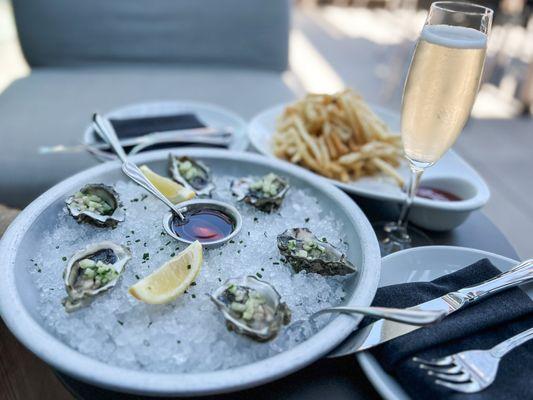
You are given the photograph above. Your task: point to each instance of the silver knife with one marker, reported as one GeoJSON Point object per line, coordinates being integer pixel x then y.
{"type": "Point", "coordinates": [382, 331]}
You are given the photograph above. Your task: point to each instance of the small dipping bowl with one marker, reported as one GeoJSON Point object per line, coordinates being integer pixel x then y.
{"type": "Point", "coordinates": [205, 206]}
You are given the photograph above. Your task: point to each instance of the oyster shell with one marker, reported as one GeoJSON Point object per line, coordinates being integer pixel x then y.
{"type": "Point", "coordinates": [192, 174]}
{"type": "Point", "coordinates": [97, 204]}
{"type": "Point", "coordinates": [252, 307]}
{"type": "Point", "coordinates": [266, 193]}
{"type": "Point", "coordinates": [91, 271]}
{"type": "Point", "coordinates": [303, 250]}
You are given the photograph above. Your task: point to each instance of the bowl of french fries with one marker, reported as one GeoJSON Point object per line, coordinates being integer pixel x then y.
{"type": "Point", "coordinates": [357, 147]}
{"type": "Point", "coordinates": [338, 136]}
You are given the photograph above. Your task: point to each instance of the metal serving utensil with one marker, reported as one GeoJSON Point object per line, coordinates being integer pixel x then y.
{"type": "Point", "coordinates": [104, 128]}
{"type": "Point", "coordinates": [406, 316]}
{"type": "Point", "coordinates": [471, 371]}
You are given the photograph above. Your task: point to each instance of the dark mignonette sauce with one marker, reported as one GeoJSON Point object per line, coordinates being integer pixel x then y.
{"type": "Point", "coordinates": [205, 225]}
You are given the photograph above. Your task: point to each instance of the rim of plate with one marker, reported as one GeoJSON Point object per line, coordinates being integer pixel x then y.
{"type": "Point", "coordinates": [385, 384]}
{"type": "Point", "coordinates": [240, 141]}
{"type": "Point", "coordinates": [59, 355]}
{"type": "Point", "coordinates": [477, 201]}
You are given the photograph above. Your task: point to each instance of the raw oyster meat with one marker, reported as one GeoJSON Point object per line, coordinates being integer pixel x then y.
{"type": "Point", "coordinates": [97, 204]}
{"type": "Point", "coordinates": [303, 250]}
{"type": "Point", "coordinates": [192, 174]}
{"type": "Point", "coordinates": [266, 193]}
{"type": "Point", "coordinates": [252, 307]}
{"type": "Point", "coordinates": [92, 271]}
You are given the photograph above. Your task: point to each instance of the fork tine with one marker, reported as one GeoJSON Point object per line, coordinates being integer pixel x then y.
{"type": "Point", "coordinates": [468, 387]}
{"type": "Point", "coordinates": [454, 369]}
{"type": "Point", "coordinates": [437, 362]}
{"type": "Point", "coordinates": [462, 377]}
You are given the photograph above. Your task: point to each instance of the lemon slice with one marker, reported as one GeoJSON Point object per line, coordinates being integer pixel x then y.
{"type": "Point", "coordinates": [171, 279]}
{"type": "Point", "coordinates": [173, 191]}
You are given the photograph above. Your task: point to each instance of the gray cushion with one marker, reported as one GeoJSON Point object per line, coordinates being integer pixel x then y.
{"type": "Point", "coordinates": [249, 33]}
{"type": "Point", "coordinates": [54, 106]}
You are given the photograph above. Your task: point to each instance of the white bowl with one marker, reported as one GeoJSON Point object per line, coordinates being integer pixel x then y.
{"type": "Point", "coordinates": [451, 172]}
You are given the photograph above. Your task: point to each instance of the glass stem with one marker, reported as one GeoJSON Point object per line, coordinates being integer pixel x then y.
{"type": "Point", "coordinates": [414, 182]}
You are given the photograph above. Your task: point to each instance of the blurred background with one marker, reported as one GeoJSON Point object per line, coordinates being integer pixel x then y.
{"type": "Point", "coordinates": [366, 45]}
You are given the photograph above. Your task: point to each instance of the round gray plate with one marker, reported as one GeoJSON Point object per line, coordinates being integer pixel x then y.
{"type": "Point", "coordinates": [423, 264]}
{"type": "Point", "coordinates": [19, 297]}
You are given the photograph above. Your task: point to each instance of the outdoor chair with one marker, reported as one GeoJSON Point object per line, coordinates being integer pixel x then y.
{"type": "Point", "coordinates": [88, 56]}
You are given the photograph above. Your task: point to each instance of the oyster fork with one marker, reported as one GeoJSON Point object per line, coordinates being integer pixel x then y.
{"type": "Point", "coordinates": [471, 371]}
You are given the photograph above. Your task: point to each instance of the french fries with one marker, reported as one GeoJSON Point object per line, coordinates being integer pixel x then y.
{"type": "Point", "coordinates": [337, 136]}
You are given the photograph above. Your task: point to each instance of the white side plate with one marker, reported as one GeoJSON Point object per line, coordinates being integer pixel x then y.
{"type": "Point", "coordinates": [451, 173]}
{"type": "Point", "coordinates": [210, 114]}
{"type": "Point", "coordinates": [422, 264]}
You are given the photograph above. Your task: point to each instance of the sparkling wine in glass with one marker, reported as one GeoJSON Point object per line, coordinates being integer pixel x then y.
{"type": "Point", "coordinates": [439, 93]}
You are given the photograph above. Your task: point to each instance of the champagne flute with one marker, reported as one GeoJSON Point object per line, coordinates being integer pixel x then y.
{"type": "Point", "coordinates": [439, 93]}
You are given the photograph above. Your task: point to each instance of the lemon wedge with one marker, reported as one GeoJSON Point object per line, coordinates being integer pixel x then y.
{"type": "Point", "coordinates": [173, 191]}
{"type": "Point", "coordinates": [171, 279]}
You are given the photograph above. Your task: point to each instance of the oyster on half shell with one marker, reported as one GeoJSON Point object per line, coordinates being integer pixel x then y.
{"type": "Point", "coordinates": [266, 193]}
{"type": "Point", "coordinates": [303, 250]}
{"type": "Point", "coordinates": [92, 271]}
{"type": "Point", "coordinates": [252, 307]}
{"type": "Point", "coordinates": [192, 174]}
{"type": "Point", "coordinates": [97, 204]}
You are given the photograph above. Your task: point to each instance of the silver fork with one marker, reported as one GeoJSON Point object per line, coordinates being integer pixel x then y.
{"type": "Point", "coordinates": [473, 370]}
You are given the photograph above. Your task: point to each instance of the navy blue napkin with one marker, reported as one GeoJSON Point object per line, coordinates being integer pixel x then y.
{"type": "Point", "coordinates": [480, 326]}
{"type": "Point", "coordinates": [135, 127]}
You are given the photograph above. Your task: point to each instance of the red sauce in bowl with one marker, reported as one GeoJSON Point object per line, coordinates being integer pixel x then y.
{"type": "Point", "coordinates": [436, 194]}
{"type": "Point", "coordinates": [204, 225]}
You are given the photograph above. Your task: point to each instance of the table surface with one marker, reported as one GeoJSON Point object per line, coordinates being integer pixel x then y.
{"type": "Point", "coordinates": [340, 378]}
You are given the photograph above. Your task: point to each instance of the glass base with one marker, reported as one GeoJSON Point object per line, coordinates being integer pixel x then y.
{"type": "Point", "coordinates": [393, 238]}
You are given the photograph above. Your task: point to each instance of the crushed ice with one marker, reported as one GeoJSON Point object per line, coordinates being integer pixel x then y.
{"type": "Point", "coordinates": [188, 335]}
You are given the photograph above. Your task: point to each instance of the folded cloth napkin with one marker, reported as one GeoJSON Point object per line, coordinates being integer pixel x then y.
{"type": "Point", "coordinates": [480, 326]}
{"type": "Point", "coordinates": [134, 127]}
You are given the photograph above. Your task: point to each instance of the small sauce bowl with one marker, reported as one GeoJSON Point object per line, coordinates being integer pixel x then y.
{"type": "Point", "coordinates": [195, 206]}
